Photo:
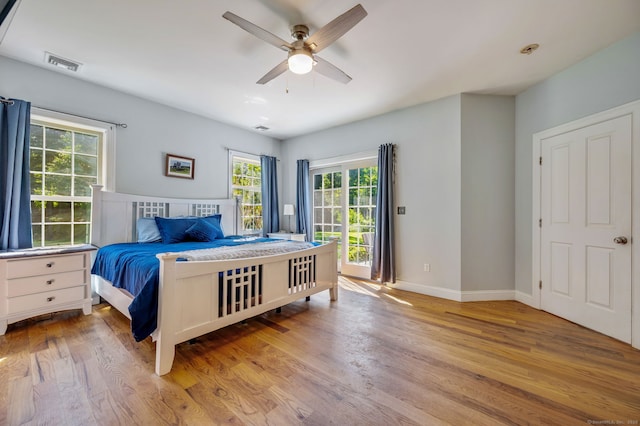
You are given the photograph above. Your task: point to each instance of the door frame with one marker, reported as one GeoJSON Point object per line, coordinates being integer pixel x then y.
{"type": "Point", "coordinates": [632, 109]}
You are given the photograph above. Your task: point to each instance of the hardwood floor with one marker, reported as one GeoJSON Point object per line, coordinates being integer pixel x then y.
{"type": "Point", "coordinates": [375, 357]}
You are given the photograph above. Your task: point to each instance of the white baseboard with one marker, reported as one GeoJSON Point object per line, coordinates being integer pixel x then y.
{"type": "Point", "coordinates": [443, 293]}
{"type": "Point", "coordinates": [527, 299]}
{"type": "Point", "coordinates": [456, 295]}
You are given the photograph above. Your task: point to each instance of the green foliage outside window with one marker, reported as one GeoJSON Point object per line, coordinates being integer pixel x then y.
{"type": "Point", "coordinates": [246, 184]}
{"type": "Point", "coordinates": [361, 190]}
{"type": "Point", "coordinates": [64, 163]}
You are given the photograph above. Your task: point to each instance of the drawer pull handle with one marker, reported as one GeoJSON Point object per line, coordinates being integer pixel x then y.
{"type": "Point", "coordinates": [50, 299]}
{"type": "Point", "coordinates": [50, 265]}
{"type": "Point", "coordinates": [49, 282]}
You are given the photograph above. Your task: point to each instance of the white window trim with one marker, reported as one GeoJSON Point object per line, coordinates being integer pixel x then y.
{"type": "Point", "coordinates": [343, 159]}
{"type": "Point", "coordinates": [240, 154]}
{"type": "Point", "coordinates": [108, 166]}
{"type": "Point", "coordinates": [244, 156]}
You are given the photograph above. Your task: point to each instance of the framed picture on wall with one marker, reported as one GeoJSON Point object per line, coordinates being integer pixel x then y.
{"type": "Point", "coordinates": [178, 166]}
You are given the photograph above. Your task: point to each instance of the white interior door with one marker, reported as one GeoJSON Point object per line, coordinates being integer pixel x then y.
{"type": "Point", "coordinates": [586, 218]}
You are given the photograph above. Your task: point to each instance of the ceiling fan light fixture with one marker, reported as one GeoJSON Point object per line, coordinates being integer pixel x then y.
{"type": "Point", "coordinates": [300, 61]}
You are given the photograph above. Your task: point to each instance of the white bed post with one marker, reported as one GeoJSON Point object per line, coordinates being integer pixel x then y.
{"type": "Point", "coordinates": [165, 344]}
{"type": "Point", "coordinates": [333, 291]}
{"type": "Point", "coordinates": [96, 215]}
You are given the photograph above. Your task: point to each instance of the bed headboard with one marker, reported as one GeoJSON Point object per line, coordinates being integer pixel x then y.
{"type": "Point", "coordinates": [114, 215]}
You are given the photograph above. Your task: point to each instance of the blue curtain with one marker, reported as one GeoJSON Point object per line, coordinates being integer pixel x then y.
{"type": "Point", "coordinates": [383, 266]}
{"type": "Point", "coordinates": [270, 212]}
{"type": "Point", "coordinates": [303, 200]}
{"type": "Point", "coordinates": [15, 187]}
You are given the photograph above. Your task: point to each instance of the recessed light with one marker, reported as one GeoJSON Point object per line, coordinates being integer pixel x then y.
{"type": "Point", "coordinates": [529, 49]}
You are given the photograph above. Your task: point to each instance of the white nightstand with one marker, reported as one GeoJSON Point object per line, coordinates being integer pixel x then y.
{"type": "Point", "coordinates": [40, 281]}
{"type": "Point", "coordinates": [287, 236]}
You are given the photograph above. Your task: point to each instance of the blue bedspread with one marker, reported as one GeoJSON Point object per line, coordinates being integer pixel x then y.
{"type": "Point", "coordinates": [135, 268]}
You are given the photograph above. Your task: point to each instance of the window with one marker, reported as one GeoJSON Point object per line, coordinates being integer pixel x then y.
{"type": "Point", "coordinates": [65, 160]}
{"type": "Point", "coordinates": [246, 185]}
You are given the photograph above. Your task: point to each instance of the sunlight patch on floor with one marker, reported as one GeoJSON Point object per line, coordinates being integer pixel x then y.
{"type": "Point", "coordinates": [349, 285]}
{"type": "Point", "coordinates": [369, 288]}
{"type": "Point", "coordinates": [398, 300]}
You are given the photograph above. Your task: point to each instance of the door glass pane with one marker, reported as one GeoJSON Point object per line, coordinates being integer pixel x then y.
{"type": "Point", "coordinates": [326, 207]}
{"type": "Point", "coordinates": [361, 207]}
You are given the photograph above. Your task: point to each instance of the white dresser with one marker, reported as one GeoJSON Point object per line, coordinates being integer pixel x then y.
{"type": "Point", "coordinates": [286, 236]}
{"type": "Point", "coordinates": [39, 281]}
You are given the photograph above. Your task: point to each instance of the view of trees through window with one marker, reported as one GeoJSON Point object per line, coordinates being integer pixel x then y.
{"type": "Point", "coordinates": [246, 184]}
{"type": "Point", "coordinates": [64, 163]}
{"type": "Point", "coordinates": [327, 208]}
{"type": "Point", "coordinates": [361, 188]}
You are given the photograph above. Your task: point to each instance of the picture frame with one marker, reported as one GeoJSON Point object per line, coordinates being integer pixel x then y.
{"type": "Point", "coordinates": [179, 166]}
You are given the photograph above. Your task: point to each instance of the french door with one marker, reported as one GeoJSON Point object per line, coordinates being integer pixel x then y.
{"type": "Point", "coordinates": [344, 209]}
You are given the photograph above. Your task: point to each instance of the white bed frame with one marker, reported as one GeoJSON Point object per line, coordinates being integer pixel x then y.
{"type": "Point", "coordinates": [189, 304]}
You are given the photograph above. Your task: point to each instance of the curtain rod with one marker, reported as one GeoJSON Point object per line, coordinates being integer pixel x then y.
{"type": "Point", "coordinates": [123, 125]}
{"type": "Point", "coordinates": [6, 101]}
{"type": "Point", "coordinates": [248, 153]}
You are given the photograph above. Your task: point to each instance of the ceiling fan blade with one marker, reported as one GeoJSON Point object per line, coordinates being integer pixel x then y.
{"type": "Point", "coordinates": [279, 69]}
{"type": "Point", "coordinates": [336, 28]}
{"type": "Point", "coordinates": [327, 69]}
{"type": "Point", "coordinates": [262, 34]}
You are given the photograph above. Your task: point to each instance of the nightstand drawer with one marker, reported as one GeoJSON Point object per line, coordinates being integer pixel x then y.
{"type": "Point", "coordinates": [48, 298]}
{"type": "Point", "coordinates": [44, 265]}
{"type": "Point", "coordinates": [44, 283]}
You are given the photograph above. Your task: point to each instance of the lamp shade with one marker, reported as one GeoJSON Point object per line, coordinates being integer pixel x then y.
{"type": "Point", "coordinates": [288, 210]}
{"type": "Point", "coordinates": [300, 61]}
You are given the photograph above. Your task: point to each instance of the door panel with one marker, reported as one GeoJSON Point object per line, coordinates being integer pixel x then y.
{"type": "Point", "coordinates": [327, 206]}
{"type": "Point", "coordinates": [344, 202]}
{"type": "Point", "coordinates": [361, 208]}
{"type": "Point", "coordinates": [585, 204]}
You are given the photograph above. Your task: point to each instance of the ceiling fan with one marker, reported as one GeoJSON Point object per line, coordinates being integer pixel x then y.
{"type": "Point", "coordinates": [302, 51]}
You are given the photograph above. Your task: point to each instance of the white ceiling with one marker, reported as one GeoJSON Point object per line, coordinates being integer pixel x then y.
{"type": "Point", "coordinates": [405, 52]}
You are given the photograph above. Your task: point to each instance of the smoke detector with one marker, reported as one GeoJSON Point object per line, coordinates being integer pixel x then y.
{"type": "Point", "coordinates": [60, 62]}
{"type": "Point", "coordinates": [261, 128]}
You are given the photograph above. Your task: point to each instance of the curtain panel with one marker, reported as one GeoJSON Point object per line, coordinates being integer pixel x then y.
{"type": "Point", "coordinates": [270, 212]}
{"type": "Point", "coordinates": [383, 266]}
{"type": "Point", "coordinates": [15, 187]}
{"type": "Point", "coordinates": [303, 200]}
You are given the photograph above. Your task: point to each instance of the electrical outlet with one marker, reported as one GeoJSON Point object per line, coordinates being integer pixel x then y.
{"type": "Point", "coordinates": [427, 267]}
{"type": "Point", "coordinates": [401, 210]}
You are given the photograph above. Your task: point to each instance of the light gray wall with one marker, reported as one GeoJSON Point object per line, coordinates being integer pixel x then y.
{"type": "Point", "coordinates": [605, 80]}
{"type": "Point", "coordinates": [427, 181]}
{"type": "Point", "coordinates": [152, 131]}
{"type": "Point", "coordinates": [487, 193]}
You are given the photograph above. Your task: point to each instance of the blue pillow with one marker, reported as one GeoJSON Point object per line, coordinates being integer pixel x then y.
{"type": "Point", "coordinates": [202, 231]}
{"type": "Point", "coordinates": [173, 230]}
{"type": "Point", "coordinates": [214, 220]}
{"type": "Point", "coordinates": [147, 230]}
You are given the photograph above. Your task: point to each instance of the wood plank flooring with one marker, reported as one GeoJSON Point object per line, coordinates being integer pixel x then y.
{"type": "Point", "coordinates": [375, 357]}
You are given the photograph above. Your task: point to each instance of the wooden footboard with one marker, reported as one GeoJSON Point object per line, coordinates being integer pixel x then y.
{"type": "Point", "coordinates": [196, 298]}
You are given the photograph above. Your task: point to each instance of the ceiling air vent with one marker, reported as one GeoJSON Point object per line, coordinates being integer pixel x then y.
{"type": "Point", "coordinates": [57, 61]}
{"type": "Point", "coordinates": [261, 128]}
